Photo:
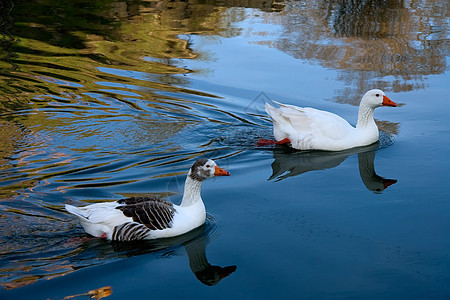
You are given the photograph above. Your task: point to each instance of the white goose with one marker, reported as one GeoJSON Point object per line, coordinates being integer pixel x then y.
{"type": "Point", "coordinates": [140, 218]}
{"type": "Point", "coordinates": [307, 128]}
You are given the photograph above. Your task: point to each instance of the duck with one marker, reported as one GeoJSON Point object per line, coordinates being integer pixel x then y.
{"type": "Point", "coordinates": [147, 218]}
{"type": "Point", "coordinates": [306, 128]}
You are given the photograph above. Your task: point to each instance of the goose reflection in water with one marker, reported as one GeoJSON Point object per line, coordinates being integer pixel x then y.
{"type": "Point", "coordinates": [194, 243]}
{"type": "Point", "coordinates": [292, 164]}
{"type": "Point", "coordinates": [205, 272]}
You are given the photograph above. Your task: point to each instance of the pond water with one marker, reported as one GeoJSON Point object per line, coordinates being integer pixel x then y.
{"type": "Point", "coordinates": [102, 100]}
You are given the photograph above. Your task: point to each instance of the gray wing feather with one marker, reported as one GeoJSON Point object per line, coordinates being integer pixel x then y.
{"type": "Point", "coordinates": [154, 213]}
{"type": "Point", "coordinates": [129, 232]}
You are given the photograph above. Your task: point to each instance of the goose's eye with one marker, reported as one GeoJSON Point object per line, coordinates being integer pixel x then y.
{"type": "Point", "coordinates": [378, 95]}
{"type": "Point", "coordinates": [208, 166]}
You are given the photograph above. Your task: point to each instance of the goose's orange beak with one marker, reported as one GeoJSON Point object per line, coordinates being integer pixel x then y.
{"type": "Point", "coordinates": [388, 102]}
{"type": "Point", "coordinates": [221, 172]}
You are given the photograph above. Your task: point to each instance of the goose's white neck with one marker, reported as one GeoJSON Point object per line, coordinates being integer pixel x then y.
{"type": "Point", "coordinates": [365, 116]}
{"type": "Point", "coordinates": [192, 190]}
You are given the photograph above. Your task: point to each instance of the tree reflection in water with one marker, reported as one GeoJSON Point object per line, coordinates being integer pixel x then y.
{"type": "Point", "coordinates": [367, 41]}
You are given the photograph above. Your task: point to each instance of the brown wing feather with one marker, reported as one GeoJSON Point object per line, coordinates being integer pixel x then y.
{"type": "Point", "coordinates": [154, 213]}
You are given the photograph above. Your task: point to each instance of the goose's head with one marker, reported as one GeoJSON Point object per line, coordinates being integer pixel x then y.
{"type": "Point", "coordinates": [206, 168]}
{"type": "Point", "coordinates": [376, 98]}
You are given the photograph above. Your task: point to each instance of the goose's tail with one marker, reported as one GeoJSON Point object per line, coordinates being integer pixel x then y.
{"type": "Point", "coordinates": [275, 114]}
{"type": "Point", "coordinates": [76, 211]}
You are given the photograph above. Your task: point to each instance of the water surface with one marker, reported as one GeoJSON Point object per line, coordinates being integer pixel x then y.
{"type": "Point", "coordinates": [102, 100]}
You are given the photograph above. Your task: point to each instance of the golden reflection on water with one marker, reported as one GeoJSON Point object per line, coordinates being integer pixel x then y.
{"type": "Point", "coordinates": [97, 294]}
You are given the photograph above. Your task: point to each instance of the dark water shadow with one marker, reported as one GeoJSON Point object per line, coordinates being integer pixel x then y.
{"type": "Point", "coordinates": [288, 163]}
{"type": "Point", "coordinates": [193, 242]}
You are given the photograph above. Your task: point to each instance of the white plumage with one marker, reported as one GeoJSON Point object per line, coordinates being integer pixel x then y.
{"type": "Point", "coordinates": [139, 218]}
{"type": "Point", "coordinates": [307, 128]}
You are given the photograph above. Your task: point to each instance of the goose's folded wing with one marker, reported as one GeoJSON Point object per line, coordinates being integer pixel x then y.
{"type": "Point", "coordinates": [316, 122]}
{"type": "Point", "coordinates": [129, 231]}
{"type": "Point", "coordinates": [153, 213]}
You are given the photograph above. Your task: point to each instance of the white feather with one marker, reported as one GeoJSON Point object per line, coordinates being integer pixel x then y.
{"type": "Point", "coordinates": [101, 219]}
{"type": "Point", "coordinates": [312, 129]}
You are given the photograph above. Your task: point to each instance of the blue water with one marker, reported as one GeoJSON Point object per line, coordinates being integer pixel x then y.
{"type": "Point", "coordinates": [115, 101]}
